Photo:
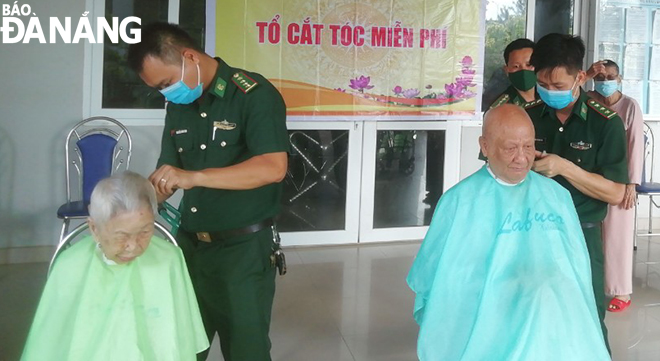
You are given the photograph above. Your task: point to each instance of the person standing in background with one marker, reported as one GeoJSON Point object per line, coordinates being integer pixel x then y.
{"type": "Point", "coordinates": [522, 91]}
{"type": "Point", "coordinates": [619, 226]}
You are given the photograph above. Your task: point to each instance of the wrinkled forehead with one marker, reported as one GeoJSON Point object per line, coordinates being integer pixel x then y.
{"type": "Point", "coordinates": [127, 221]}
{"type": "Point", "coordinates": [514, 130]}
{"type": "Point", "coordinates": [611, 70]}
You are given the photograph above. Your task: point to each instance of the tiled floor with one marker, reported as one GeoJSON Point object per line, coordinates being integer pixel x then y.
{"type": "Point", "coordinates": [352, 303]}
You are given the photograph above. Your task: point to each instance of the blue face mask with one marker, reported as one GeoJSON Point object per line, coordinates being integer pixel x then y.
{"type": "Point", "coordinates": [180, 93]}
{"type": "Point", "coordinates": [606, 87]}
{"type": "Point", "coordinates": [557, 99]}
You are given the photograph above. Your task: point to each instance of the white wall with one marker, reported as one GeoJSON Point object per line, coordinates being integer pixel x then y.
{"type": "Point", "coordinates": [41, 95]}
{"type": "Point", "coordinates": [40, 98]}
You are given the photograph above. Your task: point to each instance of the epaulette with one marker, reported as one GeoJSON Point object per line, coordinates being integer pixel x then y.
{"type": "Point", "coordinates": [244, 82]}
{"type": "Point", "coordinates": [601, 109]}
{"type": "Point", "coordinates": [501, 100]}
{"type": "Point", "coordinates": [532, 104]}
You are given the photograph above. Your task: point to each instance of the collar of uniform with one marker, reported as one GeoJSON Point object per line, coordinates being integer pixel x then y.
{"type": "Point", "coordinates": [579, 108]}
{"type": "Point", "coordinates": [221, 80]}
{"type": "Point", "coordinates": [518, 99]}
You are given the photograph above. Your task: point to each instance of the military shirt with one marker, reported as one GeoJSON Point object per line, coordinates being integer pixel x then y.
{"type": "Point", "coordinates": [241, 115]}
{"type": "Point", "coordinates": [512, 96]}
{"type": "Point", "coordinates": [593, 138]}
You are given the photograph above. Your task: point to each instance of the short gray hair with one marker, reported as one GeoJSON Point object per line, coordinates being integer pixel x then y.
{"type": "Point", "coordinates": [123, 192]}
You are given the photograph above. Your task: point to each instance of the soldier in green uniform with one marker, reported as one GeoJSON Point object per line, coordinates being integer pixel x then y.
{"type": "Point", "coordinates": [580, 143]}
{"type": "Point", "coordinates": [521, 74]}
{"type": "Point", "coordinates": [225, 144]}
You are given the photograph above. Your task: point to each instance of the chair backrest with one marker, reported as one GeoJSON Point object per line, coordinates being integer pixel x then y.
{"type": "Point", "coordinates": [73, 235]}
{"type": "Point", "coordinates": [171, 215]}
{"type": "Point", "coordinates": [95, 149]}
{"type": "Point", "coordinates": [649, 145]}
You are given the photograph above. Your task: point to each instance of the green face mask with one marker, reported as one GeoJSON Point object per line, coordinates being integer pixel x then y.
{"type": "Point", "coordinates": [523, 80]}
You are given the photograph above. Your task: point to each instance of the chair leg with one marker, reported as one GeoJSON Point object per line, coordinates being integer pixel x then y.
{"type": "Point", "coordinates": [650, 214]}
{"type": "Point", "coordinates": [65, 228]}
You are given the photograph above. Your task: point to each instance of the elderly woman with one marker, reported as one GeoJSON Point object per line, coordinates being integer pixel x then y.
{"type": "Point", "coordinates": [619, 225]}
{"type": "Point", "coordinates": [121, 293]}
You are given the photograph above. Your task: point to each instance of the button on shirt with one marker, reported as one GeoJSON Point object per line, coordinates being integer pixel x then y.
{"type": "Point", "coordinates": [593, 138]}
{"type": "Point", "coordinates": [226, 126]}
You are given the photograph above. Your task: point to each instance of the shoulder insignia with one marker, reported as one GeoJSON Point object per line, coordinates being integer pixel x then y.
{"type": "Point", "coordinates": [501, 100]}
{"type": "Point", "coordinates": [244, 82]}
{"type": "Point", "coordinates": [532, 104]}
{"type": "Point", "coordinates": [601, 109]}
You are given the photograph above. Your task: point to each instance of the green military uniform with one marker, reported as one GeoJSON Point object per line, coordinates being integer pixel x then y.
{"type": "Point", "coordinates": [594, 138]}
{"type": "Point", "coordinates": [512, 96]}
{"type": "Point", "coordinates": [241, 115]}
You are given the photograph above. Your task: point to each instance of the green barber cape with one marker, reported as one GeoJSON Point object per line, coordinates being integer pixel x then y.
{"type": "Point", "coordinates": [142, 310]}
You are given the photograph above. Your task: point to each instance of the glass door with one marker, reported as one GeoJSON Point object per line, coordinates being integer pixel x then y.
{"type": "Point", "coordinates": [406, 168]}
{"type": "Point", "coordinates": [321, 200]}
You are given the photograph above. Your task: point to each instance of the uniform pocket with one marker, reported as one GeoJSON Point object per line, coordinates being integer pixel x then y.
{"type": "Point", "coordinates": [224, 138]}
{"type": "Point", "coordinates": [584, 157]}
{"type": "Point", "coordinates": [227, 148]}
{"type": "Point", "coordinates": [185, 146]}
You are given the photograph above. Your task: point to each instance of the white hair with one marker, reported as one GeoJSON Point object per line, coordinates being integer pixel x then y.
{"type": "Point", "coordinates": [125, 192]}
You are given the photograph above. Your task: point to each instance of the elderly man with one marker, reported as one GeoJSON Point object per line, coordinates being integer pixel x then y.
{"type": "Point", "coordinates": [503, 252]}
{"type": "Point", "coordinates": [121, 293]}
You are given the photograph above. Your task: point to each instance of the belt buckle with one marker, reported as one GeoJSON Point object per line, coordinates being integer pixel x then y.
{"type": "Point", "coordinates": [204, 237]}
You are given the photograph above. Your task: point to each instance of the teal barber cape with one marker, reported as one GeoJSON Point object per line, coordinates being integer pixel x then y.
{"type": "Point", "coordinates": [503, 274]}
{"type": "Point", "coordinates": [144, 310]}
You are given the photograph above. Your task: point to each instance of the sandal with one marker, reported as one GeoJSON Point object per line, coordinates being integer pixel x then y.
{"type": "Point", "coordinates": [618, 305]}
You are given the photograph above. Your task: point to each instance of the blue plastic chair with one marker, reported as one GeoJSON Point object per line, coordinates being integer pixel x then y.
{"type": "Point", "coordinates": [648, 188]}
{"type": "Point", "coordinates": [95, 149]}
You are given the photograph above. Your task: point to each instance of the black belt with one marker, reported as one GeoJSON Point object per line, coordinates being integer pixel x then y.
{"type": "Point", "coordinates": [230, 233]}
{"type": "Point", "coordinates": [590, 224]}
